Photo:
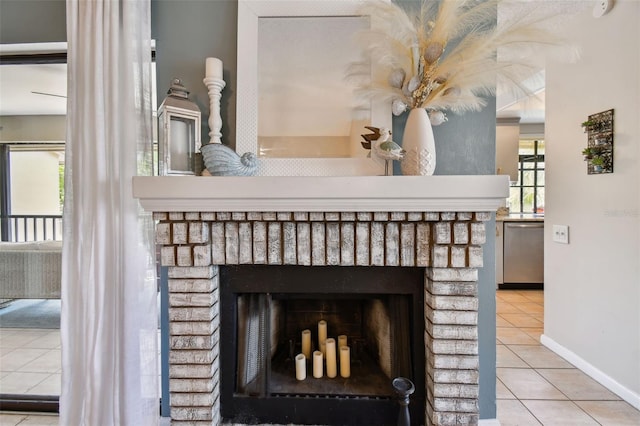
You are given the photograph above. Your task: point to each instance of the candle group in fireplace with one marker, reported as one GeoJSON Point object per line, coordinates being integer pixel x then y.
{"type": "Point", "coordinates": [329, 353]}
{"type": "Point", "coordinates": [318, 364]}
{"type": "Point", "coordinates": [342, 340]}
{"type": "Point", "coordinates": [306, 343]}
{"type": "Point", "coordinates": [332, 367]}
{"type": "Point", "coordinates": [345, 363]}
{"type": "Point", "coordinates": [322, 334]}
{"type": "Point", "coordinates": [301, 367]}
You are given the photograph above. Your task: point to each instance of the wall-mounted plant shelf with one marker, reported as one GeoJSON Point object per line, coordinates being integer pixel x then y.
{"type": "Point", "coordinates": [599, 151]}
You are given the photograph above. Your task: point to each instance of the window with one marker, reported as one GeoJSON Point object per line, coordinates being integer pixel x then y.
{"type": "Point", "coordinates": [527, 194]}
{"type": "Point", "coordinates": [33, 120]}
{"type": "Point", "coordinates": [35, 191]}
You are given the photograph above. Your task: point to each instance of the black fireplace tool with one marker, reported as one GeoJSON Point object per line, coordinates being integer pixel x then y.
{"type": "Point", "coordinates": [404, 388]}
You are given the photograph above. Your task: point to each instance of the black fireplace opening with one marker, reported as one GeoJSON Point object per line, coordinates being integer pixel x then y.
{"type": "Point", "coordinates": [266, 309]}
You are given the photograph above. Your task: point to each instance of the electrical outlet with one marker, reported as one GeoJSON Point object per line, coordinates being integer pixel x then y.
{"type": "Point", "coordinates": [561, 234]}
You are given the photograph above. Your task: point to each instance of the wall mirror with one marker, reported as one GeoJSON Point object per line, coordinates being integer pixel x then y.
{"type": "Point", "coordinates": [295, 109]}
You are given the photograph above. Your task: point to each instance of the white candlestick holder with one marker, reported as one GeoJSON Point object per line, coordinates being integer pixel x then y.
{"type": "Point", "coordinates": [215, 86]}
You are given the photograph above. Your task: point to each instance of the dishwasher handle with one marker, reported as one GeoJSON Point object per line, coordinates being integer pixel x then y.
{"type": "Point", "coordinates": [524, 225]}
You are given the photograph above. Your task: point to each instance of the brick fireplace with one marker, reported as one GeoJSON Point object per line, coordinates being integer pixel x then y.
{"type": "Point", "coordinates": [433, 223]}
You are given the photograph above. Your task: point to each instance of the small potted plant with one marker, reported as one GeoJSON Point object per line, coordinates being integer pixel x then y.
{"type": "Point", "coordinates": [588, 125]}
{"type": "Point", "coordinates": [591, 152]}
{"type": "Point", "coordinates": [598, 163]}
{"type": "Point", "coordinates": [587, 153]}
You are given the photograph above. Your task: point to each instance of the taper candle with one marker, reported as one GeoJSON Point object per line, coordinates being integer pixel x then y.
{"type": "Point", "coordinates": [306, 343]}
{"type": "Point", "coordinates": [342, 340]}
{"type": "Point", "coordinates": [345, 362]}
{"type": "Point", "coordinates": [213, 68]}
{"type": "Point", "coordinates": [301, 367]}
{"type": "Point", "coordinates": [215, 83]}
{"type": "Point", "coordinates": [332, 368]}
{"type": "Point", "coordinates": [322, 332]}
{"type": "Point", "coordinates": [317, 364]}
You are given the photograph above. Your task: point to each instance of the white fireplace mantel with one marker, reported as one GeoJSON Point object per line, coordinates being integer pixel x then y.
{"type": "Point", "coordinates": [326, 194]}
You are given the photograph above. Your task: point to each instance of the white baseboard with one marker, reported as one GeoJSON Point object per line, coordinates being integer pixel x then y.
{"type": "Point", "coordinates": [488, 422]}
{"type": "Point", "coordinates": [622, 391]}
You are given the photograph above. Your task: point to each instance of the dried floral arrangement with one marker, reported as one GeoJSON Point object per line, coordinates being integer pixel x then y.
{"type": "Point", "coordinates": [443, 56]}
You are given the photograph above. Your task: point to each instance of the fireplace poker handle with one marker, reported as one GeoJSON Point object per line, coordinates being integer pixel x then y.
{"type": "Point", "coordinates": [404, 388]}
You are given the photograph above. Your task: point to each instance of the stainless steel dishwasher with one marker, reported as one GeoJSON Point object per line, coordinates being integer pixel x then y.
{"type": "Point", "coordinates": [523, 254]}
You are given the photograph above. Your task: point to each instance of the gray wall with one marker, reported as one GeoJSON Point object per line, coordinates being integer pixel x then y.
{"type": "Point", "coordinates": [187, 32]}
{"type": "Point", "coordinates": [29, 128]}
{"type": "Point", "coordinates": [467, 145]}
{"type": "Point", "coordinates": [33, 21]}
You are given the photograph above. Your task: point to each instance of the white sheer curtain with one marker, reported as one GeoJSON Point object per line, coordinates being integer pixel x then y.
{"type": "Point", "coordinates": [109, 319]}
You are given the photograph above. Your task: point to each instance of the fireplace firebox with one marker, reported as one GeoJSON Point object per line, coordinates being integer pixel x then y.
{"type": "Point", "coordinates": [264, 310]}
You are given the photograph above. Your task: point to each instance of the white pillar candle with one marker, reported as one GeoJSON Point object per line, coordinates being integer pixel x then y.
{"type": "Point", "coordinates": [317, 364]}
{"type": "Point", "coordinates": [306, 343]}
{"type": "Point", "coordinates": [332, 368]}
{"type": "Point", "coordinates": [345, 362]}
{"type": "Point", "coordinates": [342, 340]}
{"type": "Point", "coordinates": [301, 367]}
{"type": "Point", "coordinates": [214, 68]}
{"type": "Point", "coordinates": [322, 332]}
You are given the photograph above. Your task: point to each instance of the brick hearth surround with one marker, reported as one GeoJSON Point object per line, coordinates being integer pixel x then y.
{"type": "Point", "coordinates": [207, 233]}
{"type": "Point", "coordinates": [447, 244]}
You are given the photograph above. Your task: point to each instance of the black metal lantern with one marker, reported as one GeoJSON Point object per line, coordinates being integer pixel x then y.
{"type": "Point", "coordinates": [179, 132]}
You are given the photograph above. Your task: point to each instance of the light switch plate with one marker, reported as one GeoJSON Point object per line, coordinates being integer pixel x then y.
{"type": "Point", "coordinates": [561, 234]}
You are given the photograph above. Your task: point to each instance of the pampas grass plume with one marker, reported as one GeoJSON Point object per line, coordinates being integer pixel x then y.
{"type": "Point", "coordinates": [445, 55]}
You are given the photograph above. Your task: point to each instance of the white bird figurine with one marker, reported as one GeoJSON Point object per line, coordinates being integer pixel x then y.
{"type": "Point", "coordinates": [387, 149]}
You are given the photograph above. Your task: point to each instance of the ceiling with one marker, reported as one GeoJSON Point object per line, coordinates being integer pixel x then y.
{"type": "Point", "coordinates": [33, 89]}
{"type": "Point", "coordinates": [529, 108]}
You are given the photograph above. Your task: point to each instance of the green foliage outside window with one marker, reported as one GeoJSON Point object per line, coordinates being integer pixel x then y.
{"type": "Point", "coordinates": [61, 184]}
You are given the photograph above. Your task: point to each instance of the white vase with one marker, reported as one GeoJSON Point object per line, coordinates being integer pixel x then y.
{"type": "Point", "coordinates": [419, 144]}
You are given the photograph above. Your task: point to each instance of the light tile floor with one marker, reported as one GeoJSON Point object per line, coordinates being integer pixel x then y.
{"type": "Point", "coordinates": [28, 419]}
{"type": "Point", "coordinates": [534, 385]}
{"type": "Point", "coordinates": [537, 387]}
{"type": "Point", "coordinates": [30, 361]}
